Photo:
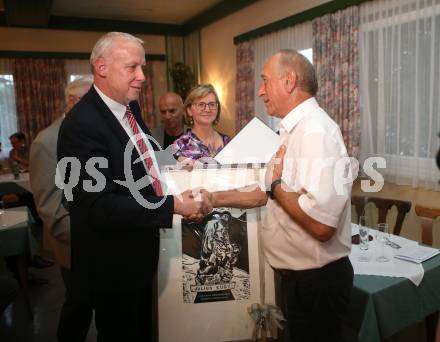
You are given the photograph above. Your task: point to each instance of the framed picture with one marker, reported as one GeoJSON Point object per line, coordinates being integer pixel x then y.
{"type": "Point", "coordinates": [211, 272]}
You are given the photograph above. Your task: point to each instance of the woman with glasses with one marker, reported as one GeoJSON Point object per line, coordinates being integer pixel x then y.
{"type": "Point", "coordinates": [201, 142]}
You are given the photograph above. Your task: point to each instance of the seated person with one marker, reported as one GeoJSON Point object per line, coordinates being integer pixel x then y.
{"type": "Point", "coordinates": [20, 155]}
{"type": "Point", "coordinates": [20, 152]}
{"type": "Point", "coordinates": [201, 142]}
{"type": "Point", "coordinates": [4, 165]}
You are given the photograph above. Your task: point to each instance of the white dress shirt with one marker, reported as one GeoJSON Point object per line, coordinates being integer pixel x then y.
{"type": "Point", "coordinates": [315, 148]}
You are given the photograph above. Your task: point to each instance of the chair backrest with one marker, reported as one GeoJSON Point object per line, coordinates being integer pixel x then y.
{"type": "Point", "coordinates": [383, 205]}
{"type": "Point", "coordinates": [427, 216]}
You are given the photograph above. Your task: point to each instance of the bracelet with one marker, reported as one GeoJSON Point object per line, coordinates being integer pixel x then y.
{"type": "Point", "coordinates": [270, 192]}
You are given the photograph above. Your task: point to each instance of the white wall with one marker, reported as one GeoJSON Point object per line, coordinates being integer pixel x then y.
{"type": "Point", "coordinates": [218, 50]}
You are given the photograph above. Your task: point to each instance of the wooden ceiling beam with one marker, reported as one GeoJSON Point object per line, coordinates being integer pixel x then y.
{"type": "Point", "coordinates": [27, 13]}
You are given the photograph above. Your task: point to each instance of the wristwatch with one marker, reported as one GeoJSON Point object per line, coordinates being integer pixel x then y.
{"type": "Point", "coordinates": [270, 192]}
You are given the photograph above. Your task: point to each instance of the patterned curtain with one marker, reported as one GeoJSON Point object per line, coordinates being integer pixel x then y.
{"type": "Point", "coordinates": [39, 92]}
{"type": "Point", "coordinates": [244, 88]}
{"type": "Point", "coordinates": [335, 56]}
{"type": "Point", "coordinates": [146, 98]}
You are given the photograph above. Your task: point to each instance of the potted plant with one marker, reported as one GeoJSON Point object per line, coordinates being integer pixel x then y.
{"type": "Point", "coordinates": [183, 79]}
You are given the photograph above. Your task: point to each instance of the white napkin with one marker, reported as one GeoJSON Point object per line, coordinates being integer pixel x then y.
{"type": "Point", "coordinates": [12, 218]}
{"type": "Point", "coordinates": [392, 268]}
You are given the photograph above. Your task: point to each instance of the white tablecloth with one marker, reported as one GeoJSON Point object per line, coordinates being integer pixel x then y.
{"type": "Point", "coordinates": [14, 217]}
{"type": "Point", "coordinates": [23, 180]}
{"type": "Point", "coordinates": [393, 268]}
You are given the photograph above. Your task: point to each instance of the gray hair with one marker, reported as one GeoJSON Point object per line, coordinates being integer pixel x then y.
{"type": "Point", "coordinates": [73, 87]}
{"type": "Point", "coordinates": [103, 45]}
{"type": "Point", "coordinates": [292, 60]}
{"type": "Point", "coordinates": [198, 92]}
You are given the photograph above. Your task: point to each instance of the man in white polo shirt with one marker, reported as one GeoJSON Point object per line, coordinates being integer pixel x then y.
{"type": "Point", "coordinates": [306, 233]}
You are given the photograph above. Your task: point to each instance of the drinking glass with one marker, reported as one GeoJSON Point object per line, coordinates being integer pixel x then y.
{"type": "Point", "coordinates": [363, 233]}
{"type": "Point", "coordinates": [381, 239]}
{"type": "Point", "coordinates": [364, 255]}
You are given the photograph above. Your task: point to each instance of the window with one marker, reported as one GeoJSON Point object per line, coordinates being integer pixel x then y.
{"type": "Point", "coordinates": [77, 68]}
{"type": "Point", "coordinates": [72, 78]}
{"type": "Point", "coordinates": [308, 53]}
{"type": "Point", "coordinates": [8, 115]}
{"type": "Point", "coordinates": [400, 87]}
{"type": "Point", "coordinates": [298, 37]}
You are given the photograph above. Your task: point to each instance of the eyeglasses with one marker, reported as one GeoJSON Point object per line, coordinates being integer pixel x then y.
{"type": "Point", "coordinates": [202, 105]}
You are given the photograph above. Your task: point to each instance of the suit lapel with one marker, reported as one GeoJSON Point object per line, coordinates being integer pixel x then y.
{"type": "Point", "coordinates": [107, 114]}
{"type": "Point", "coordinates": [117, 129]}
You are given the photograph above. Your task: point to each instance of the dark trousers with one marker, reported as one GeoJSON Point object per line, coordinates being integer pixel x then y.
{"type": "Point", "coordinates": [76, 313]}
{"type": "Point", "coordinates": [314, 301]}
{"type": "Point", "coordinates": [8, 291]}
{"type": "Point", "coordinates": [124, 316]}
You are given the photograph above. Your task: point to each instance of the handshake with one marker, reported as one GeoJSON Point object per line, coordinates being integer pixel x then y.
{"type": "Point", "coordinates": [197, 203]}
{"type": "Point", "coordinates": [193, 204]}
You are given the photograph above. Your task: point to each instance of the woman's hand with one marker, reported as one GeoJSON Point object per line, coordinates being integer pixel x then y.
{"type": "Point", "coordinates": [185, 163]}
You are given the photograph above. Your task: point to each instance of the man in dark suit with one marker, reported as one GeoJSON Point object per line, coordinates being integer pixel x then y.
{"type": "Point", "coordinates": [115, 234]}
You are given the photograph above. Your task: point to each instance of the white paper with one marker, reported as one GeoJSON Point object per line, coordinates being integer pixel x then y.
{"type": "Point", "coordinates": [416, 253]}
{"type": "Point", "coordinates": [255, 143]}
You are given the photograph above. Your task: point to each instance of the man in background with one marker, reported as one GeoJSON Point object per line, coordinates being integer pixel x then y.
{"type": "Point", "coordinates": [171, 116]}
{"type": "Point", "coordinates": [76, 312]}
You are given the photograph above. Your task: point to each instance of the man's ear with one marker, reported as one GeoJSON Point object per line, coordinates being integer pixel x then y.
{"type": "Point", "coordinates": [290, 81]}
{"type": "Point", "coordinates": [71, 100]}
{"type": "Point", "coordinates": [101, 67]}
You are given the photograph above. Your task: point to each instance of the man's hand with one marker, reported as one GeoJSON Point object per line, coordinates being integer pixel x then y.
{"type": "Point", "coordinates": [186, 205]}
{"type": "Point", "coordinates": [274, 168]}
{"type": "Point", "coordinates": [194, 204]}
{"type": "Point", "coordinates": [207, 201]}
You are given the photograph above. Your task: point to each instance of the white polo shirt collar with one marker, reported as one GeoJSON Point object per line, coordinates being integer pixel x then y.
{"type": "Point", "coordinates": [289, 122]}
{"type": "Point", "coordinates": [116, 108]}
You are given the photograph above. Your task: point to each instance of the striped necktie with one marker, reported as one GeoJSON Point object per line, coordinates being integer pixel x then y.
{"type": "Point", "coordinates": [145, 153]}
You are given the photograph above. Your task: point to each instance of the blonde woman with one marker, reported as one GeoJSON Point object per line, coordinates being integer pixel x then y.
{"type": "Point", "coordinates": [202, 112]}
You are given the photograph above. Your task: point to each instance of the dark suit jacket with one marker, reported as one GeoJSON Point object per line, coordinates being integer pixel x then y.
{"type": "Point", "coordinates": [114, 239]}
{"type": "Point", "coordinates": [158, 133]}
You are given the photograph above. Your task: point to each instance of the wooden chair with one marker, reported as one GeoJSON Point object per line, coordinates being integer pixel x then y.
{"type": "Point", "coordinates": [427, 216]}
{"type": "Point", "coordinates": [383, 205]}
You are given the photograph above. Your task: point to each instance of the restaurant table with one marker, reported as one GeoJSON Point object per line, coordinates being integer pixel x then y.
{"type": "Point", "coordinates": [16, 240]}
{"type": "Point", "coordinates": [381, 306]}
{"type": "Point", "coordinates": [10, 185]}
